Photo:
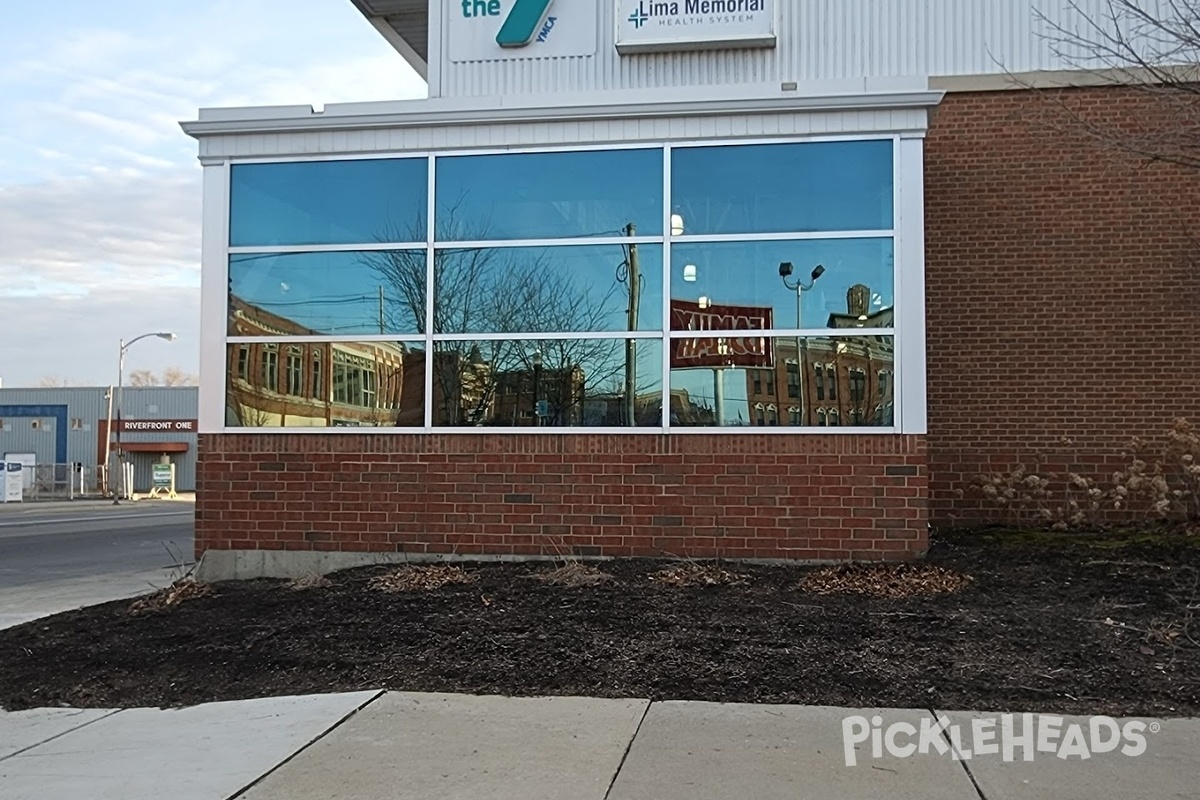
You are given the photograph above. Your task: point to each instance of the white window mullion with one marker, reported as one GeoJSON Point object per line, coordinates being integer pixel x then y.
{"type": "Point", "coordinates": [909, 384]}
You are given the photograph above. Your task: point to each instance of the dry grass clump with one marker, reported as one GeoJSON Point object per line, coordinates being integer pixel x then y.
{"type": "Point", "coordinates": [421, 578]}
{"type": "Point", "coordinates": [309, 581]}
{"type": "Point", "coordinates": [178, 592]}
{"type": "Point", "coordinates": [573, 575]}
{"type": "Point", "coordinates": [695, 574]}
{"type": "Point", "coordinates": [884, 580]}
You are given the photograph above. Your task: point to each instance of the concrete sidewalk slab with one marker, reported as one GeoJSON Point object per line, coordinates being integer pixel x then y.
{"type": "Point", "coordinates": [206, 752]}
{"type": "Point", "coordinates": [1167, 770]}
{"type": "Point", "coordinates": [711, 751]}
{"type": "Point", "coordinates": [20, 730]}
{"type": "Point", "coordinates": [408, 746]}
{"type": "Point", "coordinates": [27, 603]}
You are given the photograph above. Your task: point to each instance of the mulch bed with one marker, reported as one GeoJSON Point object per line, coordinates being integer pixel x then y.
{"type": "Point", "coordinates": [993, 622]}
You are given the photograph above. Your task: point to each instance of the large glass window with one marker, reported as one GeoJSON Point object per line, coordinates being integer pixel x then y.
{"type": "Point", "coordinates": [327, 293]}
{"type": "Point", "coordinates": [855, 287]}
{"type": "Point", "coordinates": [567, 289]}
{"type": "Point", "coordinates": [614, 287]}
{"type": "Point", "coordinates": [328, 202]}
{"type": "Point", "coordinates": [771, 188]}
{"type": "Point", "coordinates": [555, 383]}
{"type": "Point", "coordinates": [550, 195]}
{"type": "Point", "coordinates": [375, 384]}
{"type": "Point", "coordinates": [717, 377]}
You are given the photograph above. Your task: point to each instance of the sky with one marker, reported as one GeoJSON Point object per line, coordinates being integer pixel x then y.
{"type": "Point", "coordinates": [99, 187]}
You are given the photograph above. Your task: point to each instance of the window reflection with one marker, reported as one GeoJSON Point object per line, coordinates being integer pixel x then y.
{"type": "Point", "coordinates": [820, 381]}
{"type": "Point", "coordinates": [549, 195]}
{"type": "Point", "coordinates": [781, 188]}
{"type": "Point", "coordinates": [329, 202]}
{"type": "Point", "coordinates": [325, 384]}
{"type": "Point", "coordinates": [327, 293]}
{"type": "Point", "coordinates": [856, 287]}
{"type": "Point", "coordinates": [559, 383]}
{"type": "Point", "coordinates": [548, 289]}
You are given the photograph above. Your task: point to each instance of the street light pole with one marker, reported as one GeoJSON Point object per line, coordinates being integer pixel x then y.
{"type": "Point", "coordinates": [799, 287]}
{"type": "Point", "coordinates": [119, 486]}
{"type": "Point", "coordinates": [537, 381]}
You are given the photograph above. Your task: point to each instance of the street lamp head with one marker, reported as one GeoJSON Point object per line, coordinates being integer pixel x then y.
{"type": "Point", "coordinates": [785, 269]}
{"type": "Point", "coordinates": [170, 337]}
{"type": "Point", "coordinates": [818, 271]}
{"type": "Point", "coordinates": [537, 358]}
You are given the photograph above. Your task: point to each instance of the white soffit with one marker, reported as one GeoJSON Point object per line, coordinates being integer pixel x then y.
{"type": "Point", "coordinates": [405, 25]}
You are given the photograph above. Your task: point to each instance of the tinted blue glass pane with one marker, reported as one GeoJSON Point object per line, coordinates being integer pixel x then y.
{"type": "Point", "coordinates": [325, 384]}
{"type": "Point", "coordinates": [327, 293]}
{"type": "Point", "coordinates": [570, 289]}
{"type": "Point", "coordinates": [855, 288]}
{"type": "Point", "coordinates": [835, 382]}
{"type": "Point", "coordinates": [329, 202]}
{"type": "Point", "coordinates": [549, 195]}
{"type": "Point", "coordinates": [833, 186]}
{"type": "Point", "coordinates": [548, 383]}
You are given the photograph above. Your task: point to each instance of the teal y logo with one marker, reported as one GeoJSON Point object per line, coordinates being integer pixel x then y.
{"type": "Point", "coordinates": [524, 22]}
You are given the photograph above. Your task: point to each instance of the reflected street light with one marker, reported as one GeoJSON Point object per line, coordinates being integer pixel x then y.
{"type": "Point", "coordinates": [799, 287]}
{"type": "Point", "coordinates": [118, 489]}
{"type": "Point", "coordinates": [537, 380]}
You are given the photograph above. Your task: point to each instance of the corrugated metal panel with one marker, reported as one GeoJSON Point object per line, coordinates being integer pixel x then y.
{"type": "Point", "coordinates": [602, 131]}
{"type": "Point", "coordinates": [819, 40]}
{"type": "Point", "coordinates": [86, 411]}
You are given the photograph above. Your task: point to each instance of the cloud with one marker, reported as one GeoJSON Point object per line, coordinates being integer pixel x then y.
{"type": "Point", "coordinates": [65, 236]}
{"type": "Point", "coordinates": [77, 338]}
{"type": "Point", "coordinates": [99, 189]}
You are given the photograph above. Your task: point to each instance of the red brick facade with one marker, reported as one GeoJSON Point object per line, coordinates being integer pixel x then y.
{"type": "Point", "coordinates": [1063, 290]}
{"type": "Point", "coordinates": [1062, 304]}
{"type": "Point", "coordinates": [743, 496]}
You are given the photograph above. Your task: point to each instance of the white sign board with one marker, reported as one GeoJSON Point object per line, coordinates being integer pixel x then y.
{"type": "Point", "coordinates": [645, 26]}
{"type": "Point", "coordinates": [520, 30]}
{"type": "Point", "coordinates": [14, 483]}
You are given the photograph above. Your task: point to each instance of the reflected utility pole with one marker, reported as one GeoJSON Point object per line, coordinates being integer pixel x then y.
{"type": "Point", "coordinates": [635, 280]}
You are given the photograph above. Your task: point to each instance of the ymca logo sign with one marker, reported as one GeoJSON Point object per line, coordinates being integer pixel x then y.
{"type": "Point", "coordinates": [525, 20]}
{"type": "Point", "coordinates": [509, 30]}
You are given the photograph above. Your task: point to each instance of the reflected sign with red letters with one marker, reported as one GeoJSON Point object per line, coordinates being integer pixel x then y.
{"type": "Point", "coordinates": [720, 351]}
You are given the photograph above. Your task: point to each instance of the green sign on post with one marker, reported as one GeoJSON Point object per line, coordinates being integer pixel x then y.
{"type": "Point", "coordinates": [162, 480]}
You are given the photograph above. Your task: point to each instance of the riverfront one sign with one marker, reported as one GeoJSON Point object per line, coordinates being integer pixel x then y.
{"type": "Point", "coordinates": [664, 25]}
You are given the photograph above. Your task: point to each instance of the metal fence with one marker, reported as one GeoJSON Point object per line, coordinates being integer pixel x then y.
{"type": "Point", "coordinates": [64, 481]}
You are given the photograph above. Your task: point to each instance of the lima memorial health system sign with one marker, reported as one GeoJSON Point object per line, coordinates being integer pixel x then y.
{"type": "Point", "coordinates": [516, 30]}
{"type": "Point", "coordinates": [665, 25]}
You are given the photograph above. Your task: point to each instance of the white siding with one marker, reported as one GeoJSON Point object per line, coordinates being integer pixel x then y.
{"type": "Point", "coordinates": [819, 41]}
{"type": "Point", "coordinates": [557, 133]}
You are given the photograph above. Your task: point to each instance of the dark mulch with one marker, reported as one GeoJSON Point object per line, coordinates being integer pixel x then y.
{"type": "Point", "coordinates": [1076, 626]}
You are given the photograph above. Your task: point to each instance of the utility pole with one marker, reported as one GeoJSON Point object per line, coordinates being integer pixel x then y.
{"type": "Point", "coordinates": [381, 331]}
{"type": "Point", "coordinates": [635, 280]}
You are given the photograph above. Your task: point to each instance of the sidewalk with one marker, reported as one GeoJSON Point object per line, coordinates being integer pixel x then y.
{"type": "Point", "coordinates": [410, 746]}
{"type": "Point", "coordinates": [92, 504]}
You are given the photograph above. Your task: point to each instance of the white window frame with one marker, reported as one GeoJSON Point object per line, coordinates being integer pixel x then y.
{"type": "Point", "coordinates": [906, 234]}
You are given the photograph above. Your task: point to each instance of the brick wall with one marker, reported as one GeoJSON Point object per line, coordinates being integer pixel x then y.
{"type": "Point", "coordinates": [1063, 289]}
{"type": "Point", "coordinates": [743, 496]}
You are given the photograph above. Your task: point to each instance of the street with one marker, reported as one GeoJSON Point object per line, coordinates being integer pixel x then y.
{"type": "Point", "coordinates": [61, 556]}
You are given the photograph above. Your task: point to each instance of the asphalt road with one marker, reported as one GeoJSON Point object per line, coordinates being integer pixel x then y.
{"type": "Point", "coordinates": [52, 544]}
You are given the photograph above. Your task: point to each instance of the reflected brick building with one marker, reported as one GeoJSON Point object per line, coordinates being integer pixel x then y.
{"type": "Point", "coordinates": [847, 382]}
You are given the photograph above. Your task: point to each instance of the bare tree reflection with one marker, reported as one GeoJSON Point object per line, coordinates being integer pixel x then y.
{"type": "Point", "coordinates": [503, 291]}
